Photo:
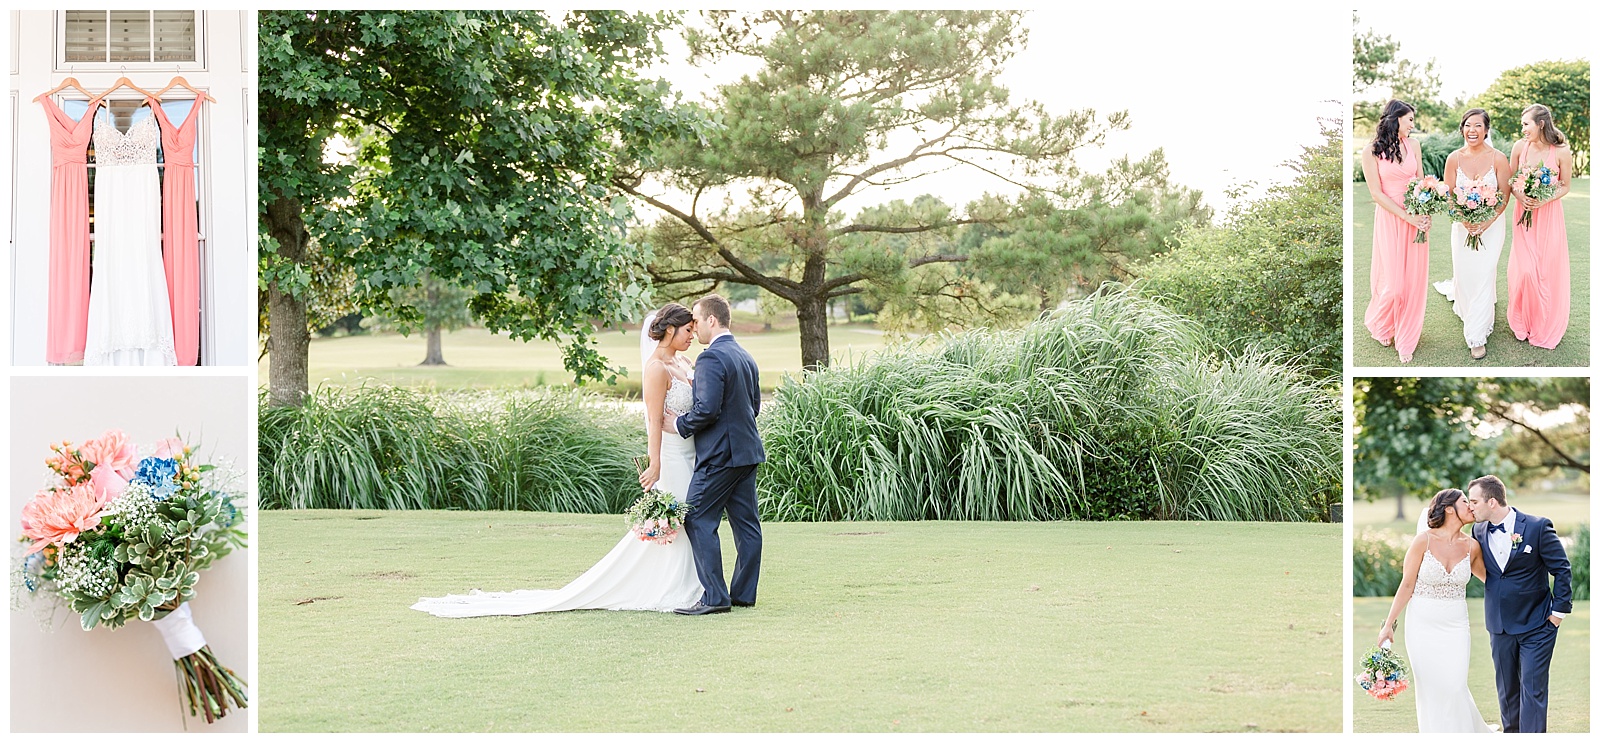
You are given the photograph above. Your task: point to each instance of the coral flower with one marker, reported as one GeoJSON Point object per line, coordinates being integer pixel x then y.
{"type": "Point", "coordinates": [58, 516]}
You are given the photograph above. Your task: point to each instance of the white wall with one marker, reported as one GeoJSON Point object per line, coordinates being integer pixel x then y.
{"type": "Point", "coordinates": [228, 261]}
{"type": "Point", "coordinates": [68, 680]}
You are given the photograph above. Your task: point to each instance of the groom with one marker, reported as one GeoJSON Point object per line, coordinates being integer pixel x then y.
{"type": "Point", "coordinates": [727, 448]}
{"type": "Point", "coordinates": [1521, 555]}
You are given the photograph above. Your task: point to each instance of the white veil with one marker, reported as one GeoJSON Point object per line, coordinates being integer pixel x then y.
{"type": "Point", "coordinates": [647, 346]}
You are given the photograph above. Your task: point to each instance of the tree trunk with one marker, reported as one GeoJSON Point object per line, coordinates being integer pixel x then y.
{"type": "Point", "coordinates": [1400, 505]}
{"type": "Point", "coordinates": [435, 347]}
{"type": "Point", "coordinates": [813, 315]}
{"type": "Point", "coordinates": [288, 339]}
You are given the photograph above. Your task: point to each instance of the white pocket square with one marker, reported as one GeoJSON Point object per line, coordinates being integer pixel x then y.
{"type": "Point", "coordinates": [1527, 548]}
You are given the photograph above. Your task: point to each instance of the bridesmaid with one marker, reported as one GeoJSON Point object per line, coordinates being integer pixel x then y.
{"type": "Point", "coordinates": [1399, 265]}
{"type": "Point", "coordinates": [1539, 281]}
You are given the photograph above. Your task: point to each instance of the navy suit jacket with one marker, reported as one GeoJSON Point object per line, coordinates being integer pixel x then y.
{"type": "Point", "coordinates": [727, 398]}
{"type": "Point", "coordinates": [1518, 599]}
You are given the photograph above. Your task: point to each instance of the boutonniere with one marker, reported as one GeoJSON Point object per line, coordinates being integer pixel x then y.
{"type": "Point", "coordinates": [1516, 540]}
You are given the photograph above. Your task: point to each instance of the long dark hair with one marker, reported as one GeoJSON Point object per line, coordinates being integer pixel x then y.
{"type": "Point", "coordinates": [1487, 127]}
{"type": "Point", "coordinates": [1547, 124]}
{"type": "Point", "coordinates": [1387, 144]}
{"type": "Point", "coordinates": [1443, 502]}
{"type": "Point", "coordinates": [668, 319]}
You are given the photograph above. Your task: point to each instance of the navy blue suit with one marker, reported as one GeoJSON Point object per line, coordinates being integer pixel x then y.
{"type": "Point", "coordinates": [727, 448]}
{"type": "Point", "coordinates": [1517, 603]}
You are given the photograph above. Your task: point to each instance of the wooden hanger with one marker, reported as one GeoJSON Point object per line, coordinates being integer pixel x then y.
{"type": "Point", "coordinates": [180, 82]}
{"type": "Point", "coordinates": [70, 82]}
{"type": "Point", "coordinates": [123, 82]}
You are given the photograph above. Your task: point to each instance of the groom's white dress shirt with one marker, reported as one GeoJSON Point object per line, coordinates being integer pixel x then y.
{"type": "Point", "coordinates": [1500, 541]}
{"type": "Point", "coordinates": [1500, 545]}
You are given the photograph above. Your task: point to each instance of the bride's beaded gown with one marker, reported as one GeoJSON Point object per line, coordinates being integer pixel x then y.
{"type": "Point", "coordinates": [1439, 647]}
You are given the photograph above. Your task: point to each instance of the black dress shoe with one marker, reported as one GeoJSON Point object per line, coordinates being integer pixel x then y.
{"type": "Point", "coordinates": [700, 608]}
{"type": "Point", "coordinates": [744, 603]}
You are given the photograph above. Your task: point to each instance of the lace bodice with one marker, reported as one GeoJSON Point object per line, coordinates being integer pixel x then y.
{"type": "Point", "coordinates": [680, 397]}
{"type": "Point", "coordinates": [1435, 582]}
{"type": "Point", "coordinates": [137, 146]}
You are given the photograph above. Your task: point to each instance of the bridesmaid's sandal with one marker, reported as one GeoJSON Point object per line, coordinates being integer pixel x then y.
{"type": "Point", "coordinates": [1385, 344]}
{"type": "Point", "coordinates": [1404, 359]}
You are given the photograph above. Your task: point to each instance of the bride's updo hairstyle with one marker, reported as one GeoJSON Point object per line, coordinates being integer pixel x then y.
{"type": "Point", "coordinates": [1442, 503]}
{"type": "Point", "coordinates": [669, 319]}
{"type": "Point", "coordinates": [1547, 124]}
{"type": "Point", "coordinates": [1387, 144]}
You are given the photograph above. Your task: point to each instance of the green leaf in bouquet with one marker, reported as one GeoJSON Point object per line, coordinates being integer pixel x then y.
{"type": "Point", "coordinates": [206, 467]}
{"type": "Point", "coordinates": [89, 619]}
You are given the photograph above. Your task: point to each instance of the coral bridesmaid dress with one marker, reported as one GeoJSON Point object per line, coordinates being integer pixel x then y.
{"type": "Point", "coordinates": [67, 318]}
{"type": "Point", "coordinates": [1538, 278]}
{"type": "Point", "coordinates": [180, 232]}
{"type": "Point", "coordinates": [1399, 266]}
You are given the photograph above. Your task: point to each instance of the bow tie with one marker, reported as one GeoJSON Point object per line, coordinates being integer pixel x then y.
{"type": "Point", "coordinates": [1496, 527]}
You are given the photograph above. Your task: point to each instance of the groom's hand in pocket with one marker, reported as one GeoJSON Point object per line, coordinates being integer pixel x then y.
{"type": "Point", "coordinates": [1555, 621]}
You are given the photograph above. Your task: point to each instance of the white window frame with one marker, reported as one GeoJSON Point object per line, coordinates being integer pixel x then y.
{"type": "Point", "coordinates": [199, 63]}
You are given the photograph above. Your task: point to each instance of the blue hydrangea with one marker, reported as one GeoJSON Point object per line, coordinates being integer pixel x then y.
{"type": "Point", "coordinates": [159, 474]}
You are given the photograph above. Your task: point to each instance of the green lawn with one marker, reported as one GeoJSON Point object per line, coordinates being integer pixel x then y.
{"type": "Point", "coordinates": [1442, 344]}
{"type": "Point", "coordinates": [862, 626]}
{"type": "Point", "coordinates": [1569, 673]}
{"type": "Point", "coordinates": [1565, 510]}
{"type": "Point", "coordinates": [478, 358]}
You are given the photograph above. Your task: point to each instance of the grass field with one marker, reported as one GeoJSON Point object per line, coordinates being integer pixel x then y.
{"type": "Point", "coordinates": [478, 358]}
{"type": "Point", "coordinates": [1442, 344]}
{"type": "Point", "coordinates": [1565, 510]}
{"type": "Point", "coordinates": [862, 626]}
{"type": "Point", "coordinates": [1569, 673]}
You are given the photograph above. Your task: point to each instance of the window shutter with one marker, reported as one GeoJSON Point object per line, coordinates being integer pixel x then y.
{"type": "Point", "coordinates": [173, 35]}
{"type": "Point", "coordinates": [131, 36]}
{"type": "Point", "coordinates": [86, 36]}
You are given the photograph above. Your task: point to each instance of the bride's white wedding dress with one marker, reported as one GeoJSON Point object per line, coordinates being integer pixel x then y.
{"type": "Point", "coordinates": [1472, 291]}
{"type": "Point", "coordinates": [1439, 645]}
{"type": "Point", "coordinates": [635, 576]}
{"type": "Point", "coordinates": [130, 318]}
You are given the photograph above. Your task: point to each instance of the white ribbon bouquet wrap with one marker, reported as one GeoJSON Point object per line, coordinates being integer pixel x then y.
{"type": "Point", "coordinates": [118, 537]}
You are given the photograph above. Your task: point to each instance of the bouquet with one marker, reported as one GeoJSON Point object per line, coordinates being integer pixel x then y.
{"type": "Point", "coordinates": [1383, 673]}
{"type": "Point", "coordinates": [657, 517]}
{"type": "Point", "coordinates": [1538, 182]}
{"type": "Point", "coordinates": [1475, 204]}
{"type": "Point", "coordinates": [118, 537]}
{"type": "Point", "coordinates": [1426, 196]}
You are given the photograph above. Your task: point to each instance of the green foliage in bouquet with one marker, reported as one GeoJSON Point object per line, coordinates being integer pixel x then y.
{"type": "Point", "coordinates": [153, 561]}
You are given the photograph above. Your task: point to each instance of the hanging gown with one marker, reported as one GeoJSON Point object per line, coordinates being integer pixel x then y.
{"type": "Point", "coordinates": [180, 234]}
{"type": "Point", "coordinates": [1399, 266]}
{"type": "Point", "coordinates": [130, 320]}
{"type": "Point", "coordinates": [1538, 276]}
{"type": "Point", "coordinates": [67, 314]}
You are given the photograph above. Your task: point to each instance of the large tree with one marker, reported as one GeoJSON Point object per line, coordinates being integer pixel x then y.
{"type": "Point", "coordinates": [1379, 73]}
{"type": "Point", "coordinates": [1418, 435]}
{"type": "Point", "coordinates": [839, 102]}
{"type": "Point", "coordinates": [485, 148]}
{"type": "Point", "coordinates": [1561, 85]}
{"type": "Point", "coordinates": [442, 305]}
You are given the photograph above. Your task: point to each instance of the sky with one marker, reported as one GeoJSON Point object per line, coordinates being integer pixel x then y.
{"type": "Point", "coordinates": [1471, 49]}
{"type": "Point", "coordinates": [1229, 105]}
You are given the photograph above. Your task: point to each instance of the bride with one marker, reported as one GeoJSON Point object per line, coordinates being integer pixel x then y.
{"type": "Point", "coordinates": [1438, 639]}
{"type": "Point", "coordinates": [1473, 287]}
{"type": "Point", "coordinates": [636, 575]}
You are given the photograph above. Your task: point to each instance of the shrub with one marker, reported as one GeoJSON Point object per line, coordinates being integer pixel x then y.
{"type": "Point", "coordinates": [1580, 564]}
{"type": "Point", "coordinates": [1376, 563]}
{"type": "Point", "coordinates": [387, 447]}
{"type": "Point", "coordinates": [1109, 408]}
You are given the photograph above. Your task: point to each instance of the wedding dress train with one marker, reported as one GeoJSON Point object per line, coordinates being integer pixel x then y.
{"type": "Point", "coordinates": [1439, 645]}
{"type": "Point", "coordinates": [636, 575]}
